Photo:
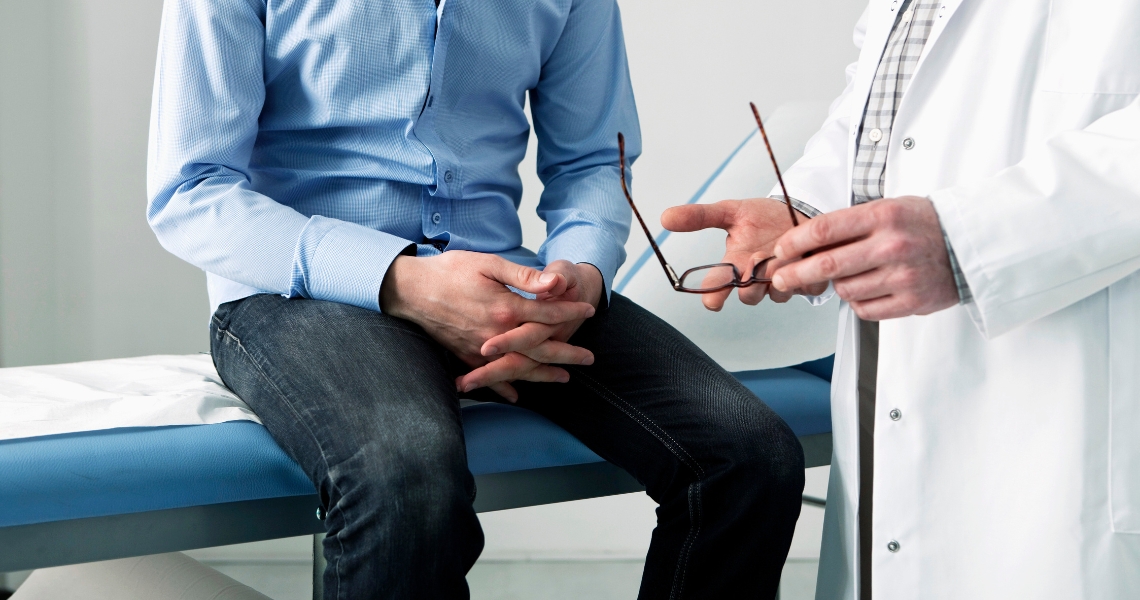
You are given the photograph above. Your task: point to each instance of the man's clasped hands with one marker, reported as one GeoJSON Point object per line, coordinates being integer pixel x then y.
{"type": "Point", "coordinates": [887, 258]}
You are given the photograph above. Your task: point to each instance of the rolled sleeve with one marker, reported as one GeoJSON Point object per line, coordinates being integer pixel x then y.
{"type": "Point", "coordinates": [343, 262]}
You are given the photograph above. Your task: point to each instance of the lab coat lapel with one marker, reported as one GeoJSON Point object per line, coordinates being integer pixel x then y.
{"type": "Point", "coordinates": [879, 24]}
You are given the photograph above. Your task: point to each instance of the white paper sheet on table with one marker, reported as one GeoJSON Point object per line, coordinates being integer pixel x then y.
{"type": "Point", "coordinates": [148, 391]}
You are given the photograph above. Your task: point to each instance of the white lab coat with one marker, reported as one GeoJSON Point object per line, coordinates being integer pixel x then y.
{"type": "Point", "coordinates": [1014, 471]}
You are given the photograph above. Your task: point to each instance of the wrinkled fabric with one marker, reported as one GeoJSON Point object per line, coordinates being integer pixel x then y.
{"type": "Point", "coordinates": [298, 148]}
{"type": "Point", "coordinates": [149, 391]}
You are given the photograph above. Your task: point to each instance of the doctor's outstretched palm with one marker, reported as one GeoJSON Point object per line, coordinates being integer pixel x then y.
{"type": "Point", "coordinates": [753, 227]}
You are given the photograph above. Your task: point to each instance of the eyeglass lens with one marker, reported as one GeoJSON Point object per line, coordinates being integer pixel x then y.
{"type": "Point", "coordinates": [711, 278]}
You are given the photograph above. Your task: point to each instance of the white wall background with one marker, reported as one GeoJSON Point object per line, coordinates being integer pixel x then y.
{"type": "Point", "coordinates": [82, 277]}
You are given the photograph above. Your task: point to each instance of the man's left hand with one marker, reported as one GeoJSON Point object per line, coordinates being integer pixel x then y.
{"type": "Point", "coordinates": [519, 350]}
{"type": "Point", "coordinates": [887, 258]}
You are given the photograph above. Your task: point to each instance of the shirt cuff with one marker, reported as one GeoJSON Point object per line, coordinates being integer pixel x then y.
{"type": "Point", "coordinates": [343, 262]}
{"type": "Point", "coordinates": [964, 294]}
{"type": "Point", "coordinates": [584, 244]}
{"type": "Point", "coordinates": [803, 207]}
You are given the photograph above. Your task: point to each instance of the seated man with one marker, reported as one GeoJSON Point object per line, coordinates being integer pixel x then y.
{"type": "Point", "coordinates": [347, 175]}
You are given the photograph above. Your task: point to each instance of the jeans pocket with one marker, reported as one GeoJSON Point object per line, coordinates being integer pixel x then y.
{"type": "Point", "coordinates": [1124, 403]}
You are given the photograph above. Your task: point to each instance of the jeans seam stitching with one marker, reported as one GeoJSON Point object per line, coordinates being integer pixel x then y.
{"type": "Point", "coordinates": [293, 409]}
{"type": "Point", "coordinates": [677, 589]}
{"type": "Point", "coordinates": [683, 560]}
{"type": "Point", "coordinates": [674, 446]}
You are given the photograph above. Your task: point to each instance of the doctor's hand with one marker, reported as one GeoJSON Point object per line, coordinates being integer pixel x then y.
{"type": "Point", "coordinates": [461, 300]}
{"type": "Point", "coordinates": [518, 352]}
{"type": "Point", "coordinates": [753, 227]}
{"type": "Point", "coordinates": [887, 258]}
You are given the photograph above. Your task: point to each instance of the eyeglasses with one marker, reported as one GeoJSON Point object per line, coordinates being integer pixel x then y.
{"type": "Point", "coordinates": [720, 276]}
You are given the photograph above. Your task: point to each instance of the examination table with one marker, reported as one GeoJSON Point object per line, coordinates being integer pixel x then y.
{"type": "Point", "coordinates": [99, 495]}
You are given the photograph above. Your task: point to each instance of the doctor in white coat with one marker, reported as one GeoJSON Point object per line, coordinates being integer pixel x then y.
{"type": "Point", "coordinates": [1006, 428]}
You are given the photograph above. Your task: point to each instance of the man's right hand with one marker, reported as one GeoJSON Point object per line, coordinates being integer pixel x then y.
{"type": "Point", "coordinates": [461, 300]}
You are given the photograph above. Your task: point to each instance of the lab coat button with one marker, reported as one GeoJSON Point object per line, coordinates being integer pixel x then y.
{"type": "Point", "coordinates": [448, 177]}
{"type": "Point", "coordinates": [896, 414]}
{"type": "Point", "coordinates": [436, 218]}
{"type": "Point", "coordinates": [908, 143]}
{"type": "Point", "coordinates": [875, 135]}
{"type": "Point", "coordinates": [893, 546]}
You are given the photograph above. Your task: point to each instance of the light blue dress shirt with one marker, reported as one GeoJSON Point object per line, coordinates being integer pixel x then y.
{"type": "Point", "coordinates": [298, 146]}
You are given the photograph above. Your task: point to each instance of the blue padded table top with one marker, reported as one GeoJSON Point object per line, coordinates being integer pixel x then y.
{"type": "Point", "coordinates": [121, 471]}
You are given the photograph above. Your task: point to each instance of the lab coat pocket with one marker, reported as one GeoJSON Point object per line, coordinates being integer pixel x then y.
{"type": "Point", "coordinates": [1124, 396]}
{"type": "Point", "coordinates": [1085, 53]}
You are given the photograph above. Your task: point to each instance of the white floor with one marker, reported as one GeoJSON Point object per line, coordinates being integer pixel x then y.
{"type": "Point", "coordinates": [543, 579]}
{"type": "Point", "coordinates": [521, 580]}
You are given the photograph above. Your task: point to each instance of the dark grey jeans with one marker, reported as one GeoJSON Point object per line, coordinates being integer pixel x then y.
{"type": "Point", "coordinates": [366, 404]}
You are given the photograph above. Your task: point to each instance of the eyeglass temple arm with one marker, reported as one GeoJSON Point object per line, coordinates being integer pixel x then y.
{"type": "Point", "coordinates": [780, 177]}
{"type": "Point", "coordinates": [673, 279]}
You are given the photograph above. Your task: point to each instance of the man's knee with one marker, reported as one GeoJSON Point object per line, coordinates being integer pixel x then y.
{"type": "Point", "coordinates": [421, 476]}
{"type": "Point", "coordinates": [403, 501]}
{"type": "Point", "coordinates": [766, 451]}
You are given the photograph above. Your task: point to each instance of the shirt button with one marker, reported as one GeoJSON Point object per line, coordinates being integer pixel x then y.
{"type": "Point", "coordinates": [893, 546]}
{"type": "Point", "coordinates": [448, 177]}
{"type": "Point", "coordinates": [875, 135]}
{"type": "Point", "coordinates": [436, 218]}
{"type": "Point", "coordinates": [896, 414]}
{"type": "Point", "coordinates": [908, 143]}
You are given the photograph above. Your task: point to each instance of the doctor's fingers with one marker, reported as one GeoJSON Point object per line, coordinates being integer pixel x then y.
{"type": "Point", "coordinates": [781, 297]}
{"type": "Point", "coordinates": [881, 308]}
{"type": "Point", "coordinates": [868, 285]}
{"type": "Point", "coordinates": [695, 217]}
{"type": "Point", "coordinates": [836, 263]}
{"type": "Point", "coordinates": [754, 294]}
{"type": "Point", "coordinates": [827, 230]}
{"type": "Point", "coordinates": [714, 301]}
